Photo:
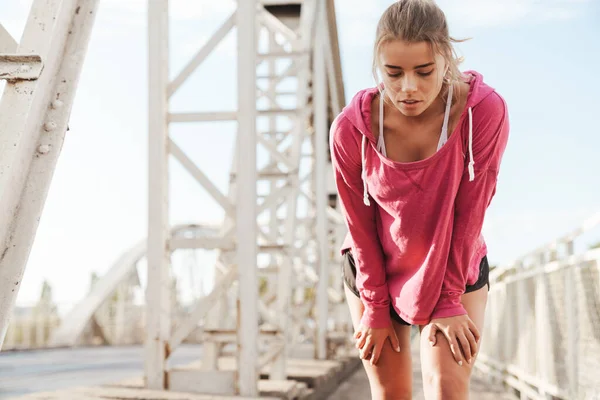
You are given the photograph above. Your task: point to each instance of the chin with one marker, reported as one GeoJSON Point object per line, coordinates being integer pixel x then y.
{"type": "Point", "coordinates": [411, 113]}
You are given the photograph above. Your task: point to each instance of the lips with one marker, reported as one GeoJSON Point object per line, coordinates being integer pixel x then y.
{"type": "Point", "coordinates": [410, 101]}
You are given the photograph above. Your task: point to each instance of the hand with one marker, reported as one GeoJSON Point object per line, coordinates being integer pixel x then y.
{"type": "Point", "coordinates": [370, 341]}
{"type": "Point", "coordinates": [461, 332]}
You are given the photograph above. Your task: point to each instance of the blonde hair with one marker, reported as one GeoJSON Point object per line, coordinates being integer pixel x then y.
{"type": "Point", "coordinates": [417, 21]}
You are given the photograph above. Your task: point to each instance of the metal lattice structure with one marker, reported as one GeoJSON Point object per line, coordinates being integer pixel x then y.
{"type": "Point", "coordinates": [268, 236]}
{"type": "Point", "coordinates": [280, 230]}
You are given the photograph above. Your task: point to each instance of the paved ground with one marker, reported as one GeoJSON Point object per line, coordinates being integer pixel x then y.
{"type": "Point", "coordinates": [33, 371]}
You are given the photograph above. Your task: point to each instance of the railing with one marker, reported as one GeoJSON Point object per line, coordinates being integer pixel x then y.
{"type": "Point", "coordinates": [542, 331]}
{"type": "Point", "coordinates": [113, 324]}
{"type": "Point", "coordinates": [29, 332]}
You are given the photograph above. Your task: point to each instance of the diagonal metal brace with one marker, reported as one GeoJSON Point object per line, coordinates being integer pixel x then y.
{"type": "Point", "coordinates": [15, 67]}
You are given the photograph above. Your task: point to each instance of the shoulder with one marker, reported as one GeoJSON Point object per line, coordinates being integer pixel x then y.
{"type": "Point", "coordinates": [492, 105]}
{"type": "Point", "coordinates": [490, 115]}
{"type": "Point", "coordinates": [490, 130]}
{"type": "Point", "coordinates": [344, 141]}
{"type": "Point", "coordinates": [351, 123]}
{"type": "Point", "coordinates": [341, 129]}
{"type": "Point", "coordinates": [484, 100]}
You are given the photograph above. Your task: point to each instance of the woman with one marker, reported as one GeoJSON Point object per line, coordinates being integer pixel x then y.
{"type": "Point", "coordinates": [416, 161]}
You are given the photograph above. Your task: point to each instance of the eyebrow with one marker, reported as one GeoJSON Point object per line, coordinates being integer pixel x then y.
{"type": "Point", "coordinates": [417, 67]}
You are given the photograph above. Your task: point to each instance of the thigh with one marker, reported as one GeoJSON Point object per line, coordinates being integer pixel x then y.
{"type": "Point", "coordinates": [391, 377]}
{"type": "Point", "coordinates": [440, 370]}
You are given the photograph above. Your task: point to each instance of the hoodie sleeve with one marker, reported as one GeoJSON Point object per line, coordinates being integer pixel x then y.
{"type": "Point", "coordinates": [490, 135]}
{"type": "Point", "coordinates": [345, 146]}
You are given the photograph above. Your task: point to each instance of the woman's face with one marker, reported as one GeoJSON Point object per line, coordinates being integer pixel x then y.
{"type": "Point", "coordinates": [412, 75]}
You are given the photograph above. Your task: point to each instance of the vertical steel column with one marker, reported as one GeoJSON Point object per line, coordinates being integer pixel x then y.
{"type": "Point", "coordinates": [320, 121]}
{"type": "Point", "coordinates": [246, 200]}
{"type": "Point", "coordinates": [158, 291]}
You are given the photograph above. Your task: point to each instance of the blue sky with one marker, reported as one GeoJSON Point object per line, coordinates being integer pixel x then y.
{"type": "Point", "coordinates": [542, 56]}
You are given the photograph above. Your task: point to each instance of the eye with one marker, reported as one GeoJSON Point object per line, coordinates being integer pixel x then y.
{"type": "Point", "coordinates": [394, 75]}
{"type": "Point", "coordinates": [425, 73]}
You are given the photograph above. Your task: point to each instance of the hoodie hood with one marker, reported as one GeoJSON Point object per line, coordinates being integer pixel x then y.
{"type": "Point", "coordinates": [358, 112]}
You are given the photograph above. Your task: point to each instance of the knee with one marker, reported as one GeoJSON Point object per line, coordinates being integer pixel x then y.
{"type": "Point", "coordinates": [448, 385]}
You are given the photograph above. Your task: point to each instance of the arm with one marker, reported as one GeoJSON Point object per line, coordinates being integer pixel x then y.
{"type": "Point", "coordinates": [490, 136]}
{"type": "Point", "coordinates": [345, 148]}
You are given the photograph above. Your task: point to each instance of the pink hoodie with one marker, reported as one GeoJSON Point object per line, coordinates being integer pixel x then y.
{"type": "Point", "coordinates": [417, 241]}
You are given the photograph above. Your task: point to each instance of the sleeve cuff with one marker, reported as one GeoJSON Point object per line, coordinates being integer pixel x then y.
{"type": "Point", "coordinates": [376, 318]}
{"type": "Point", "coordinates": [448, 307]}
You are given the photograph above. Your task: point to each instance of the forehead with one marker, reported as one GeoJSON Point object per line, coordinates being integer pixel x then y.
{"type": "Point", "coordinates": [407, 55]}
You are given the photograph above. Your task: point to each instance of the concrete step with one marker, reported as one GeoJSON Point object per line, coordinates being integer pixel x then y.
{"type": "Point", "coordinates": [114, 393]}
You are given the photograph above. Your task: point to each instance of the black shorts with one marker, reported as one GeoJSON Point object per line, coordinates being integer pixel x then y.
{"type": "Point", "coordinates": [349, 275]}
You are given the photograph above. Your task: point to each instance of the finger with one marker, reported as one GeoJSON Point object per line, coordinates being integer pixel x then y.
{"type": "Point", "coordinates": [474, 330]}
{"type": "Point", "coordinates": [361, 342]}
{"type": "Point", "coordinates": [357, 334]}
{"type": "Point", "coordinates": [394, 340]}
{"type": "Point", "coordinates": [473, 344]}
{"type": "Point", "coordinates": [432, 335]}
{"type": "Point", "coordinates": [366, 351]}
{"type": "Point", "coordinates": [375, 354]}
{"type": "Point", "coordinates": [465, 345]}
{"type": "Point", "coordinates": [454, 348]}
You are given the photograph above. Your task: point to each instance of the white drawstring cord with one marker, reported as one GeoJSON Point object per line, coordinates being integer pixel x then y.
{"type": "Point", "coordinates": [364, 172]}
{"type": "Point", "coordinates": [471, 161]}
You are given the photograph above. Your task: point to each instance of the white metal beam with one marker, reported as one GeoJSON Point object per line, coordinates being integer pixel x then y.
{"type": "Point", "coordinates": [158, 290]}
{"type": "Point", "coordinates": [321, 148]}
{"type": "Point", "coordinates": [246, 200]}
{"type": "Point", "coordinates": [201, 55]}
{"type": "Point", "coordinates": [276, 26]}
{"type": "Point", "coordinates": [201, 178]}
{"type": "Point", "coordinates": [14, 67]}
{"type": "Point", "coordinates": [33, 122]}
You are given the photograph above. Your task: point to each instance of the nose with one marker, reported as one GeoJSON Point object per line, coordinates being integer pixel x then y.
{"type": "Point", "coordinates": [409, 84]}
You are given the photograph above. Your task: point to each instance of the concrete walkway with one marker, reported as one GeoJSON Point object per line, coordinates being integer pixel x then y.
{"type": "Point", "coordinates": [51, 374]}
